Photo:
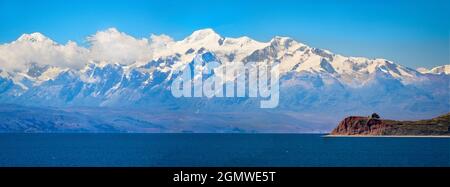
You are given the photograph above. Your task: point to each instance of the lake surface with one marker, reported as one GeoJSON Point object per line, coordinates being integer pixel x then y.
{"type": "Point", "coordinates": [219, 150]}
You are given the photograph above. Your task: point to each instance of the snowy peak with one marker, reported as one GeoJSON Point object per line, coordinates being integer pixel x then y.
{"type": "Point", "coordinates": [204, 36]}
{"type": "Point", "coordinates": [240, 42]}
{"type": "Point", "coordinates": [36, 70]}
{"type": "Point", "coordinates": [445, 69]}
{"type": "Point", "coordinates": [285, 43]}
{"type": "Point", "coordinates": [422, 70]}
{"type": "Point", "coordinates": [35, 75]}
{"type": "Point", "coordinates": [281, 40]}
{"type": "Point", "coordinates": [35, 37]}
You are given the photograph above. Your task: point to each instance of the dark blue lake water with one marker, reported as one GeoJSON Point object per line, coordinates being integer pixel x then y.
{"type": "Point", "coordinates": [219, 150]}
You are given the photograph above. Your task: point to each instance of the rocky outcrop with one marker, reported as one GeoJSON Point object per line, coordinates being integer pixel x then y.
{"type": "Point", "coordinates": [358, 125]}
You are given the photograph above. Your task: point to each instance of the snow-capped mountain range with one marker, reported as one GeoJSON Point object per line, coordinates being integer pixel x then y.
{"type": "Point", "coordinates": [117, 70]}
{"type": "Point", "coordinates": [445, 69]}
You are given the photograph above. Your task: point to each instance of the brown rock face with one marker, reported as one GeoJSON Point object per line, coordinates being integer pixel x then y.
{"type": "Point", "coordinates": [357, 125]}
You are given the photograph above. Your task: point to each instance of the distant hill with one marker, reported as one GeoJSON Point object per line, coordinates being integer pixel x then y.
{"type": "Point", "coordinates": [20, 119]}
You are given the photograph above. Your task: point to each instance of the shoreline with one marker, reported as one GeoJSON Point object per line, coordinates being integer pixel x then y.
{"type": "Point", "coordinates": [386, 136]}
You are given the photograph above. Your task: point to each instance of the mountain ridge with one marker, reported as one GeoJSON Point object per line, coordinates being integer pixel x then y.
{"type": "Point", "coordinates": [312, 80]}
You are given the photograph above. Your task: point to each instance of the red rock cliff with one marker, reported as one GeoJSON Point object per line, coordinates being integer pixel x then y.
{"type": "Point", "coordinates": [357, 125]}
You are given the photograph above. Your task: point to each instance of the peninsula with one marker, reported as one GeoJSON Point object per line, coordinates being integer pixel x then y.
{"type": "Point", "coordinates": [375, 126]}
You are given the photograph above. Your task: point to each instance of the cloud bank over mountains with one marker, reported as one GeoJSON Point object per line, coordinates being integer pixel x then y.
{"type": "Point", "coordinates": [36, 48]}
{"type": "Point", "coordinates": [111, 46]}
{"type": "Point", "coordinates": [117, 47]}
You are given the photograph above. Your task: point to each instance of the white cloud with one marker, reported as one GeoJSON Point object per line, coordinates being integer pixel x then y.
{"type": "Point", "coordinates": [117, 47]}
{"type": "Point", "coordinates": [36, 48]}
{"type": "Point", "coordinates": [161, 41]}
{"type": "Point", "coordinates": [110, 46]}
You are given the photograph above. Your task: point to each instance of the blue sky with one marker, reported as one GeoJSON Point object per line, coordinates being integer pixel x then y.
{"type": "Point", "coordinates": [412, 33]}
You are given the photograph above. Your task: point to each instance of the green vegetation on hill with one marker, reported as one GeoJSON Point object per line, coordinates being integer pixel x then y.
{"type": "Point", "coordinates": [436, 126]}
